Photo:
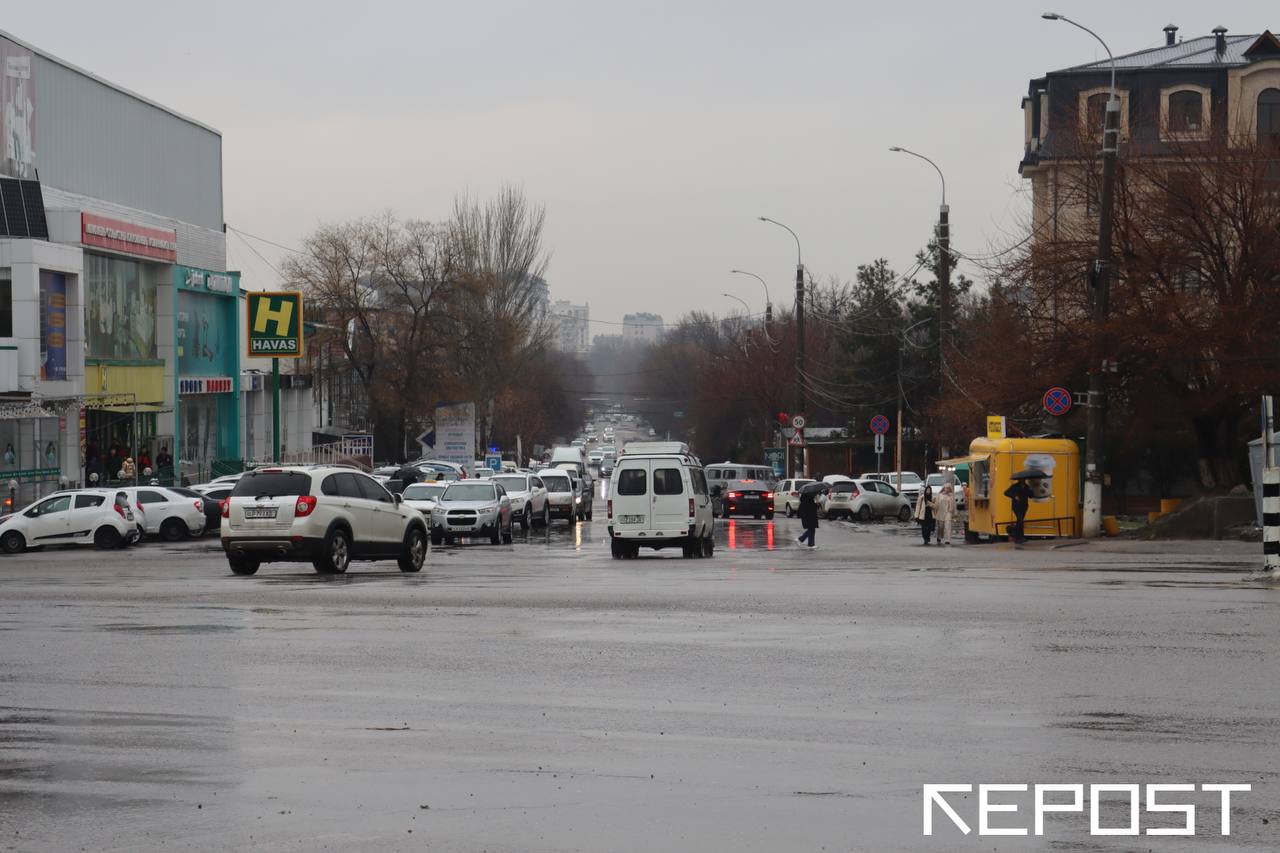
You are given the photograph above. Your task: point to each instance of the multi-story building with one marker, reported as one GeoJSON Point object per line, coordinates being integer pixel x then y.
{"type": "Point", "coordinates": [642, 327]}
{"type": "Point", "coordinates": [572, 326]}
{"type": "Point", "coordinates": [1212, 89]}
{"type": "Point", "coordinates": [118, 315]}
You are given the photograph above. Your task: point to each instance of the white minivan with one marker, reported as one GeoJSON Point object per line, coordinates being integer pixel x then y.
{"type": "Point", "coordinates": [658, 499]}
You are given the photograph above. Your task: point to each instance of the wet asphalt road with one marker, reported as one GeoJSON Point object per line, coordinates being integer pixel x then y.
{"type": "Point", "coordinates": [543, 697]}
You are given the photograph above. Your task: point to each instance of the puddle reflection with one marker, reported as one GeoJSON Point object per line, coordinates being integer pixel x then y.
{"type": "Point", "coordinates": [749, 535]}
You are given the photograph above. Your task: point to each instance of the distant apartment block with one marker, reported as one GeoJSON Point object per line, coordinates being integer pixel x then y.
{"type": "Point", "coordinates": [643, 327]}
{"type": "Point", "coordinates": [573, 326]}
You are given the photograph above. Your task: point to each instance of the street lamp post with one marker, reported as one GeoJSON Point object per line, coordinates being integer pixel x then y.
{"type": "Point", "coordinates": [1095, 456]}
{"type": "Point", "coordinates": [768, 303]}
{"type": "Point", "coordinates": [944, 267]}
{"type": "Point", "coordinates": [902, 342]}
{"type": "Point", "coordinates": [740, 299]}
{"type": "Point", "coordinates": [800, 401]}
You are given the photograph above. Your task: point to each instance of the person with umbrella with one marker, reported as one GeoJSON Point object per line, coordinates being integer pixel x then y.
{"type": "Point", "coordinates": [1020, 495]}
{"type": "Point", "coordinates": [809, 510]}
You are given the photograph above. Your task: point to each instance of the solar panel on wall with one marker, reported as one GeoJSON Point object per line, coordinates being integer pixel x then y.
{"type": "Point", "coordinates": [22, 209]}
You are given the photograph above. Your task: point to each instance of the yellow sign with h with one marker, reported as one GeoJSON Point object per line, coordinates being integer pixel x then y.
{"type": "Point", "coordinates": [275, 324]}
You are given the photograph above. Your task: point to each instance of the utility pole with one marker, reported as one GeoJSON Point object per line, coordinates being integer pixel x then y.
{"type": "Point", "coordinates": [799, 408]}
{"type": "Point", "coordinates": [1095, 451]}
{"type": "Point", "coordinates": [944, 289]}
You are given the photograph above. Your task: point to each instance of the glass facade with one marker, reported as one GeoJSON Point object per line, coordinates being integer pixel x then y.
{"type": "Point", "coordinates": [120, 297]}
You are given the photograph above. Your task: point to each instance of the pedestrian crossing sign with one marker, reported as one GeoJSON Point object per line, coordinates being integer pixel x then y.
{"type": "Point", "coordinates": [797, 440]}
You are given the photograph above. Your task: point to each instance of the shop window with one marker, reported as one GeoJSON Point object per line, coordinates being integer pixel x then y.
{"type": "Point", "coordinates": [1269, 118]}
{"type": "Point", "coordinates": [1186, 111]}
{"type": "Point", "coordinates": [6, 305]}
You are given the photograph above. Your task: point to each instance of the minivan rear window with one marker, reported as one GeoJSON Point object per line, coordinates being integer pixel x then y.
{"type": "Point", "coordinates": [633, 481]}
{"type": "Point", "coordinates": [272, 484]}
{"type": "Point", "coordinates": [666, 481]}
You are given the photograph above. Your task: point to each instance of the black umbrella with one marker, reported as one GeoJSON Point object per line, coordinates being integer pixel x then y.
{"type": "Point", "coordinates": [813, 488]}
{"type": "Point", "coordinates": [1030, 474]}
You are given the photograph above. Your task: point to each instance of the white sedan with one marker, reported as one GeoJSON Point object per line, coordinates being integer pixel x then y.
{"type": "Point", "coordinates": [423, 497]}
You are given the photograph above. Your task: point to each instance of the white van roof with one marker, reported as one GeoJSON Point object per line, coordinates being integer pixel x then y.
{"type": "Point", "coordinates": [676, 448]}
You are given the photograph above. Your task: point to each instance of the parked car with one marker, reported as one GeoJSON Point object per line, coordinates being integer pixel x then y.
{"type": "Point", "coordinates": [747, 497]}
{"type": "Point", "coordinates": [659, 499]}
{"type": "Point", "coordinates": [528, 499]}
{"type": "Point", "coordinates": [789, 490]}
{"type": "Point", "coordinates": [101, 517]}
{"type": "Point", "coordinates": [935, 481]}
{"type": "Point", "coordinates": [326, 514]}
{"type": "Point", "coordinates": [166, 513]}
{"type": "Point", "coordinates": [910, 487]}
{"type": "Point", "coordinates": [423, 497]}
{"type": "Point", "coordinates": [210, 503]}
{"type": "Point", "coordinates": [562, 498]}
{"type": "Point", "coordinates": [474, 508]}
{"type": "Point", "coordinates": [863, 499]}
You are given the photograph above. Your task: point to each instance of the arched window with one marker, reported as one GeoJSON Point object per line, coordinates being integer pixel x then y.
{"type": "Point", "coordinates": [1186, 111]}
{"type": "Point", "coordinates": [1269, 118]}
{"type": "Point", "coordinates": [1097, 112]}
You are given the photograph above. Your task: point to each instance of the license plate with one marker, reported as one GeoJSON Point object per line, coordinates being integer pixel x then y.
{"type": "Point", "coordinates": [260, 512]}
{"type": "Point", "coordinates": [631, 519]}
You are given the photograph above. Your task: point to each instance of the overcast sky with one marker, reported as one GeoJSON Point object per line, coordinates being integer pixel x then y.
{"type": "Point", "coordinates": [655, 133]}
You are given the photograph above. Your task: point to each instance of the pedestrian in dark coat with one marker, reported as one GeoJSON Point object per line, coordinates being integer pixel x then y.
{"type": "Point", "coordinates": [924, 513]}
{"type": "Point", "coordinates": [809, 515]}
{"type": "Point", "coordinates": [1020, 496]}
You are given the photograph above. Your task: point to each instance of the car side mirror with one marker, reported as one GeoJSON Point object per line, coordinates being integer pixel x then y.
{"type": "Point", "coordinates": [398, 499]}
{"type": "Point", "coordinates": [32, 513]}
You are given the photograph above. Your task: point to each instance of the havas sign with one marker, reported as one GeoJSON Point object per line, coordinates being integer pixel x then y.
{"type": "Point", "coordinates": [1049, 799]}
{"type": "Point", "coordinates": [275, 324]}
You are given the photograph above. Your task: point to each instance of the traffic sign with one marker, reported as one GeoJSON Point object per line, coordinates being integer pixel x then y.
{"type": "Point", "coordinates": [275, 324]}
{"type": "Point", "coordinates": [879, 424]}
{"type": "Point", "coordinates": [798, 422]}
{"type": "Point", "coordinates": [879, 443]}
{"type": "Point", "coordinates": [797, 440]}
{"type": "Point", "coordinates": [1057, 401]}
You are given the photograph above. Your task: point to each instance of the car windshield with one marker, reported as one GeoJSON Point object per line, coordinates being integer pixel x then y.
{"type": "Point", "coordinates": [469, 492]}
{"type": "Point", "coordinates": [556, 483]}
{"type": "Point", "coordinates": [275, 484]}
{"type": "Point", "coordinates": [513, 484]}
{"type": "Point", "coordinates": [423, 492]}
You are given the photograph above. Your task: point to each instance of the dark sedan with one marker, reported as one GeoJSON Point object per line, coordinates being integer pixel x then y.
{"type": "Point", "coordinates": [212, 506]}
{"type": "Point", "coordinates": [747, 497]}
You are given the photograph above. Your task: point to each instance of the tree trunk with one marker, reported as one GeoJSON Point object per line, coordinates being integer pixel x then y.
{"type": "Point", "coordinates": [1215, 443]}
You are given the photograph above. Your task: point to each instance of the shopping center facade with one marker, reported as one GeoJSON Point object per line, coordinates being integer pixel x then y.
{"type": "Point", "coordinates": [119, 321]}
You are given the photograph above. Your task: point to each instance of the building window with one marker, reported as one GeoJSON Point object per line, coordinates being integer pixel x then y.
{"type": "Point", "coordinates": [6, 305]}
{"type": "Point", "coordinates": [1269, 118]}
{"type": "Point", "coordinates": [120, 297]}
{"type": "Point", "coordinates": [1097, 113]}
{"type": "Point", "coordinates": [1186, 111]}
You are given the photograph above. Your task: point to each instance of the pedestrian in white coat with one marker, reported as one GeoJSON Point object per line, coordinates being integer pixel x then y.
{"type": "Point", "coordinates": [944, 511]}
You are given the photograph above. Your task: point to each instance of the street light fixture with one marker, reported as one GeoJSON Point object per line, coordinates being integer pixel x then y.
{"type": "Point", "coordinates": [1101, 282]}
{"type": "Point", "coordinates": [740, 299]}
{"type": "Point", "coordinates": [768, 304]}
{"type": "Point", "coordinates": [944, 265]}
{"type": "Point", "coordinates": [800, 403]}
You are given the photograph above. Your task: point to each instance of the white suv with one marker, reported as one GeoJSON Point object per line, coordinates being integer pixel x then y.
{"type": "Point", "coordinates": [659, 500]}
{"type": "Point", "coordinates": [326, 514]}
{"type": "Point", "coordinates": [99, 517]}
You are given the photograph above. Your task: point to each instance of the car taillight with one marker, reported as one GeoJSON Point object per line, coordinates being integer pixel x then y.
{"type": "Point", "coordinates": [768, 494]}
{"type": "Point", "coordinates": [119, 509]}
{"type": "Point", "coordinates": [304, 506]}
{"type": "Point", "coordinates": [226, 507]}
{"type": "Point", "coordinates": [795, 494]}
{"type": "Point", "coordinates": [733, 494]}
{"type": "Point", "coordinates": [199, 505]}
{"type": "Point", "coordinates": [609, 508]}
{"type": "Point", "coordinates": [691, 507]}
{"type": "Point", "coordinates": [138, 506]}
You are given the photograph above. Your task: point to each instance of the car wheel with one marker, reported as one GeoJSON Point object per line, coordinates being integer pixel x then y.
{"type": "Point", "coordinates": [526, 518]}
{"type": "Point", "coordinates": [13, 543]}
{"type": "Point", "coordinates": [546, 515]}
{"type": "Point", "coordinates": [436, 537]}
{"type": "Point", "coordinates": [688, 552]}
{"type": "Point", "coordinates": [495, 538]}
{"type": "Point", "coordinates": [768, 516]}
{"type": "Point", "coordinates": [789, 512]}
{"type": "Point", "coordinates": [173, 529]}
{"type": "Point", "coordinates": [337, 553]}
{"type": "Point", "coordinates": [615, 550]}
{"type": "Point", "coordinates": [107, 537]}
{"type": "Point", "coordinates": [243, 565]}
{"type": "Point", "coordinates": [904, 514]}
{"type": "Point", "coordinates": [414, 553]}
{"type": "Point", "coordinates": [864, 512]}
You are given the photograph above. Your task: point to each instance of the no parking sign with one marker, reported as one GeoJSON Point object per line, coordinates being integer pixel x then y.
{"type": "Point", "coordinates": [1057, 401]}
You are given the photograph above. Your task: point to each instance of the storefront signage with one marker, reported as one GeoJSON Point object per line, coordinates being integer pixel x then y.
{"type": "Point", "coordinates": [995, 427]}
{"type": "Point", "coordinates": [275, 324]}
{"type": "Point", "coordinates": [28, 474]}
{"type": "Point", "coordinates": [219, 283]}
{"type": "Point", "coordinates": [195, 279]}
{"type": "Point", "coordinates": [204, 385]}
{"type": "Point", "coordinates": [129, 238]}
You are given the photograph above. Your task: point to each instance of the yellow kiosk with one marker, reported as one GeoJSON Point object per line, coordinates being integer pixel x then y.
{"type": "Point", "coordinates": [1055, 504]}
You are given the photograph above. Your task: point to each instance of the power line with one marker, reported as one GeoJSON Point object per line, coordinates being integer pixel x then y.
{"type": "Point", "coordinates": [265, 240]}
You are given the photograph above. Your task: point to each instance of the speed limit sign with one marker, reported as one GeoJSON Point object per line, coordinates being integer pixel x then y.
{"type": "Point", "coordinates": [798, 422]}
